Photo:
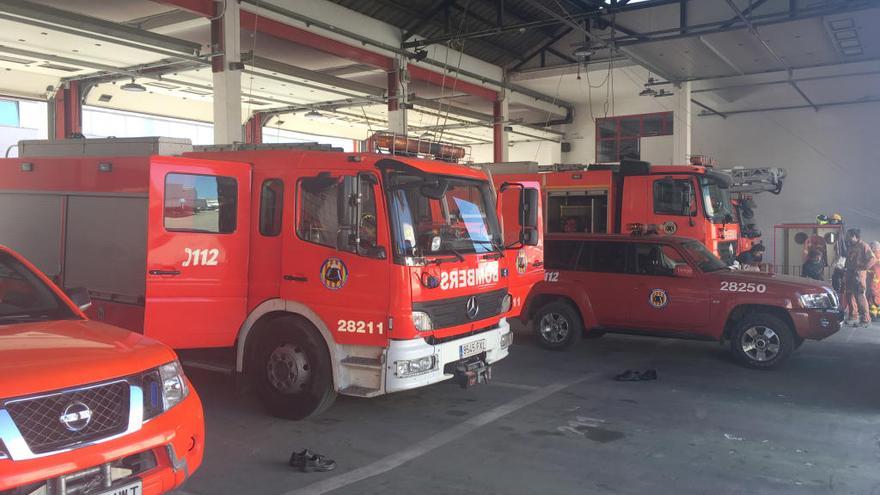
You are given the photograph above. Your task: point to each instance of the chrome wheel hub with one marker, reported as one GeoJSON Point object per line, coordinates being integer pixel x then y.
{"type": "Point", "coordinates": [288, 369]}
{"type": "Point", "coordinates": [760, 343]}
{"type": "Point", "coordinates": [554, 328]}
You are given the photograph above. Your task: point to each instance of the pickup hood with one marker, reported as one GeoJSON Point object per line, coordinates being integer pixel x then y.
{"type": "Point", "coordinates": [795, 284]}
{"type": "Point", "coordinates": [43, 356]}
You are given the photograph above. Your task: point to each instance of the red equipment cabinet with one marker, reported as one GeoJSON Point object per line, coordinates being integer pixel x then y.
{"type": "Point", "coordinates": [325, 271]}
{"type": "Point", "coordinates": [685, 200]}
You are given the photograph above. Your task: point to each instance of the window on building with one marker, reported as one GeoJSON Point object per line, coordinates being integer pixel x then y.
{"type": "Point", "coordinates": [200, 203]}
{"type": "Point", "coordinates": [271, 206]}
{"type": "Point", "coordinates": [618, 138]}
{"type": "Point", "coordinates": [9, 115]}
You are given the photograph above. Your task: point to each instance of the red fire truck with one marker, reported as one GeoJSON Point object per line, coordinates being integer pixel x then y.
{"type": "Point", "coordinates": [686, 200]}
{"type": "Point", "coordinates": [321, 271]}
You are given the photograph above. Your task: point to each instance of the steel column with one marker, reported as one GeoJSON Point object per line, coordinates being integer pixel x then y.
{"type": "Point", "coordinates": [253, 128]}
{"type": "Point", "coordinates": [67, 118]}
{"type": "Point", "coordinates": [498, 151]}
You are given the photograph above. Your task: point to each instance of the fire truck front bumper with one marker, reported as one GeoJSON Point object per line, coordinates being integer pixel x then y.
{"type": "Point", "coordinates": [416, 363]}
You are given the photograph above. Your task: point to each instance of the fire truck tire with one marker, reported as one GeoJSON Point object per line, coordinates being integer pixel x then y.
{"type": "Point", "coordinates": [292, 370]}
{"type": "Point", "coordinates": [762, 341]}
{"type": "Point", "coordinates": [558, 326]}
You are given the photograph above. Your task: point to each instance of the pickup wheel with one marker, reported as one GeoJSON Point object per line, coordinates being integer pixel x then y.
{"type": "Point", "coordinates": [292, 371]}
{"type": "Point", "coordinates": [558, 326]}
{"type": "Point", "coordinates": [762, 340]}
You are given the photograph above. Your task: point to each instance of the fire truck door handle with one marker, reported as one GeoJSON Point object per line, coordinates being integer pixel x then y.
{"type": "Point", "coordinates": [538, 264]}
{"type": "Point", "coordinates": [293, 278]}
{"type": "Point", "coordinates": [164, 272]}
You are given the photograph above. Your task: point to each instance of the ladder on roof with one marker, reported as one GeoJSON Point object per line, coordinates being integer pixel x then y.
{"type": "Point", "coordinates": [756, 180]}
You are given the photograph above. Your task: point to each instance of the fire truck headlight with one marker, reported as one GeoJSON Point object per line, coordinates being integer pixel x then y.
{"type": "Point", "coordinates": [506, 340]}
{"type": "Point", "coordinates": [506, 303]}
{"type": "Point", "coordinates": [422, 321]}
{"type": "Point", "coordinates": [412, 367]}
{"type": "Point", "coordinates": [174, 388]}
{"type": "Point", "coordinates": [817, 301]}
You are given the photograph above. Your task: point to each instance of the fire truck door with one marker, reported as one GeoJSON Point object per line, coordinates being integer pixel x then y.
{"type": "Point", "coordinates": [337, 262]}
{"type": "Point", "coordinates": [197, 251]}
{"type": "Point", "coordinates": [525, 264]}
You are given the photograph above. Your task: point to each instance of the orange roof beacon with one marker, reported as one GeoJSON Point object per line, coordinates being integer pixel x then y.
{"type": "Point", "coordinates": [86, 407]}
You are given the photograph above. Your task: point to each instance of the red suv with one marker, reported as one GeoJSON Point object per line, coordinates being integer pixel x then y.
{"type": "Point", "coordinates": [673, 286]}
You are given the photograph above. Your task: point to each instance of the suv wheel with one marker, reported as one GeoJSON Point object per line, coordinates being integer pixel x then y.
{"type": "Point", "coordinates": [558, 326]}
{"type": "Point", "coordinates": [762, 341]}
{"type": "Point", "coordinates": [291, 368]}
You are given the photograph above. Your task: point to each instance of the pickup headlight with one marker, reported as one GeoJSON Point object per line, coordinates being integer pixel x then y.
{"type": "Point", "coordinates": [817, 301]}
{"type": "Point", "coordinates": [164, 388]}
{"type": "Point", "coordinates": [422, 321]}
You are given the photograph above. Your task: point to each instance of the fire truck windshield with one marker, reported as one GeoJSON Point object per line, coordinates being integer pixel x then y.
{"type": "Point", "coordinates": [436, 215]}
{"type": "Point", "coordinates": [23, 297]}
{"type": "Point", "coordinates": [716, 200]}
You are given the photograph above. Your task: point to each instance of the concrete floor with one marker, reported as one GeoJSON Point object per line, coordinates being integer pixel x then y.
{"type": "Point", "coordinates": [557, 423]}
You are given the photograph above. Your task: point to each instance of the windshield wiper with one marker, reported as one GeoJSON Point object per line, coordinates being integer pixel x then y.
{"type": "Point", "coordinates": [495, 246]}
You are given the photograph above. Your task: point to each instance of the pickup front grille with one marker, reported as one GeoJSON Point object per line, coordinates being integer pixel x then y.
{"type": "Point", "coordinates": [39, 419]}
{"type": "Point", "coordinates": [453, 311]}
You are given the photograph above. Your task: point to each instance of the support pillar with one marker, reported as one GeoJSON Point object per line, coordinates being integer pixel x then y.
{"type": "Point", "coordinates": [65, 119]}
{"type": "Point", "coordinates": [500, 111]}
{"type": "Point", "coordinates": [681, 130]}
{"type": "Point", "coordinates": [253, 128]}
{"type": "Point", "coordinates": [397, 96]}
{"type": "Point", "coordinates": [226, 38]}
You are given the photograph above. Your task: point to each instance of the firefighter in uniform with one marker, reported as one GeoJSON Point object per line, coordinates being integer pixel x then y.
{"type": "Point", "coordinates": [860, 258]}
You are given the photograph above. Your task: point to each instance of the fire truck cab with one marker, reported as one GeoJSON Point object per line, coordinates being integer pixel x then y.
{"type": "Point", "coordinates": [323, 271]}
{"type": "Point", "coordinates": [685, 200]}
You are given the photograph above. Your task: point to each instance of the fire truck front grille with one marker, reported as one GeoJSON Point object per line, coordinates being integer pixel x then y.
{"type": "Point", "coordinates": [67, 418]}
{"type": "Point", "coordinates": [454, 311]}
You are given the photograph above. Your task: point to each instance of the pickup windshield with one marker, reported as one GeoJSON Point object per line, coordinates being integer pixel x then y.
{"type": "Point", "coordinates": [437, 216]}
{"type": "Point", "coordinates": [716, 199]}
{"type": "Point", "coordinates": [706, 261]}
{"type": "Point", "coordinates": [24, 297]}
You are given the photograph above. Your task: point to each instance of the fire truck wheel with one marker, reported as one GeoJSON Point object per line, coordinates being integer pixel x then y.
{"type": "Point", "coordinates": [762, 341]}
{"type": "Point", "coordinates": [292, 370]}
{"type": "Point", "coordinates": [558, 326]}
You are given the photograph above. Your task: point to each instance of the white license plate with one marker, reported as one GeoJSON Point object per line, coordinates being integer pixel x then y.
{"type": "Point", "coordinates": [133, 488]}
{"type": "Point", "coordinates": [471, 348]}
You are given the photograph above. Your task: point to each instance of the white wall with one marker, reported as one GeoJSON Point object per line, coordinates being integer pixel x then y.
{"type": "Point", "coordinates": [830, 156]}
{"type": "Point", "coordinates": [33, 124]}
{"type": "Point", "coordinates": [543, 152]}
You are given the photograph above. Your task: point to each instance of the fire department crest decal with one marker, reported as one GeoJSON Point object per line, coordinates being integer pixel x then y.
{"type": "Point", "coordinates": [522, 262]}
{"type": "Point", "coordinates": [334, 274]}
{"type": "Point", "coordinates": [670, 227]}
{"type": "Point", "coordinates": [658, 298]}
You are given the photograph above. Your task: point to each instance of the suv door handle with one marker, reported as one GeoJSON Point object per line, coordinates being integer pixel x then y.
{"type": "Point", "coordinates": [164, 272]}
{"type": "Point", "coordinates": [293, 278]}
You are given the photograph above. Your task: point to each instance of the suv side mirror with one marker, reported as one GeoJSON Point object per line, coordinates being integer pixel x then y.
{"type": "Point", "coordinates": [683, 271]}
{"type": "Point", "coordinates": [346, 213]}
{"type": "Point", "coordinates": [80, 296]}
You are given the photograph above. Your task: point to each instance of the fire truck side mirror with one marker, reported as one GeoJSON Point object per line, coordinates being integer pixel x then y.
{"type": "Point", "coordinates": [529, 236]}
{"type": "Point", "coordinates": [528, 208]}
{"type": "Point", "coordinates": [346, 212]}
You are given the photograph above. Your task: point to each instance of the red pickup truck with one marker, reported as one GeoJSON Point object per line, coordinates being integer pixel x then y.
{"type": "Point", "coordinates": [673, 286]}
{"type": "Point", "coordinates": [85, 407]}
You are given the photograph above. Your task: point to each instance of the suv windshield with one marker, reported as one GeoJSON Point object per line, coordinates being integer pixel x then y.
{"type": "Point", "coordinates": [24, 297]}
{"type": "Point", "coordinates": [435, 215]}
{"type": "Point", "coordinates": [706, 261]}
{"type": "Point", "coordinates": [716, 200]}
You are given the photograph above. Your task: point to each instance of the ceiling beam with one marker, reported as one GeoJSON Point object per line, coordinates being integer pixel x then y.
{"type": "Point", "coordinates": [860, 101]}
{"type": "Point", "coordinates": [50, 15]}
{"type": "Point", "coordinates": [416, 25]}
